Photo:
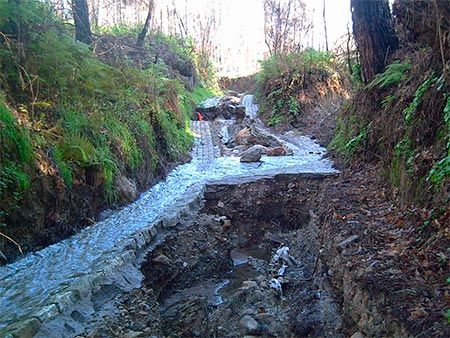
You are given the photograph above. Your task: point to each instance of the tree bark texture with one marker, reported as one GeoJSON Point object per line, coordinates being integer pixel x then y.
{"type": "Point", "coordinates": [148, 21]}
{"type": "Point", "coordinates": [374, 35]}
{"type": "Point", "coordinates": [80, 12]}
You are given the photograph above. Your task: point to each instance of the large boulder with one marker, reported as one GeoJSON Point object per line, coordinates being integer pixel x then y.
{"type": "Point", "coordinates": [244, 137]}
{"type": "Point", "coordinates": [126, 189]}
{"type": "Point", "coordinates": [252, 134]}
{"type": "Point", "coordinates": [252, 154]}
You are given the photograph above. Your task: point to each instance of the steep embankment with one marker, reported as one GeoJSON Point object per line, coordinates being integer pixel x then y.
{"type": "Point", "coordinates": [388, 223]}
{"type": "Point", "coordinates": [83, 129]}
{"type": "Point", "coordinates": [302, 90]}
{"type": "Point", "coordinates": [385, 220]}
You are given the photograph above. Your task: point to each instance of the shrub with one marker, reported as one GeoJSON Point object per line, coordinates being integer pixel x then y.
{"type": "Point", "coordinates": [84, 112]}
{"type": "Point", "coordinates": [16, 154]}
{"type": "Point", "coordinates": [284, 76]}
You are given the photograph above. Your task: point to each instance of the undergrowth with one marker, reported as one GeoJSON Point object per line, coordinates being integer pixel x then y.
{"type": "Point", "coordinates": [285, 78]}
{"type": "Point", "coordinates": [442, 168]}
{"type": "Point", "coordinates": [394, 74]}
{"type": "Point", "coordinates": [79, 112]}
{"type": "Point", "coordinates": [403, 119]}
{"type": "Point", "coordinates": [15, 157]}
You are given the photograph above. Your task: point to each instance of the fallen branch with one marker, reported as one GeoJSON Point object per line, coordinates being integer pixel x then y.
{"type": "Point", "coordinates": [10, 239]}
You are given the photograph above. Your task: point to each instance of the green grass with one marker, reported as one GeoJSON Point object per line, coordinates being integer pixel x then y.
{"type": "Point", "coordinates": [15, 158]}
{"type": "Point", "coordinates": [283, 76]}
{"type": "Point", "coordinates": [80, 112]}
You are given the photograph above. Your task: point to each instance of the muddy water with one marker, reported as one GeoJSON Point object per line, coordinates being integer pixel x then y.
{"type": "Point", "coordinates": [245, 268]}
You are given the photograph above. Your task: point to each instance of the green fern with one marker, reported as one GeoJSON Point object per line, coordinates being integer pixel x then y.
{"type": "Point", "coordinates": [393, 74]}
{"type": "Point", "coordinates": [442, 168]}
{"type": "Point", "coordinates": [108, 163]}
{"type": "Point", "coordinates": [411, 109]}
{"type": "Point", "coordinates": [77, 148]}
{"type": "Point", "coordinates": [388, 100]}
{"type": "Point", "coordinates": [64, 167]}
{"type": "Point", "coordinates": [125, 142]}
{"type": "Point", "coordinates": [354, 144]}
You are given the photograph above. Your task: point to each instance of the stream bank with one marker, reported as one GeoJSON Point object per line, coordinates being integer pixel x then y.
{"type": "Point", "coordinates": [355, 277]}
{"type": "Point", "coordinates": [203, 262]}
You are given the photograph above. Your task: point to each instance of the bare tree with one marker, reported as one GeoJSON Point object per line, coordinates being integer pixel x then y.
{"type": "Point", "coordinates": [80, 13]}
{"type": "Point", "coordinates": [284, 23]}
{"type": "Point", "coordinates": [325, 24]}
{"type": "Point", "coordinates": [148, 21]}
{"type": "Point", "coordinates": [374, 35]}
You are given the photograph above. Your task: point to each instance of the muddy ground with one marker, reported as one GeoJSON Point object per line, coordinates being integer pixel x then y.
{"type": "Point", "coordinates": [217, 276]}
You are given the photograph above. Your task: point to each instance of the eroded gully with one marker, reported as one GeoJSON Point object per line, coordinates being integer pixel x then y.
{"type": "Point", "coordinates": [49, 283]}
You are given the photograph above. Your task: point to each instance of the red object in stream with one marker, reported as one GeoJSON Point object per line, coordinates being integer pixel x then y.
{"type": "Point", "coordinates": [200, 117]}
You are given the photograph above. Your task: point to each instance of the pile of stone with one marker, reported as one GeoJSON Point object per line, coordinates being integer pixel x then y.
{"type": "Point", "coordinates": [224, 107]}
{"type": "Point", "coordinates": [240, 135]}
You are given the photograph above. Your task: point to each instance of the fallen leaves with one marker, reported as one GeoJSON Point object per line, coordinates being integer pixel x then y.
{"type": "Point", "coordinates": [397, 256]}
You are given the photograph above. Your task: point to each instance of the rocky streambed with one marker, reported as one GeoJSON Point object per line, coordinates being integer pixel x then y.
{"type": "Point", "coordinates": [280, 246]}
{"type": "Point", "coordinates": [222, 248]}
{"type": "Point", "coordinates": [248, 264]}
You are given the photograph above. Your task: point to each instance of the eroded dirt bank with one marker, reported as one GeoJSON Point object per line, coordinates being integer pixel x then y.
{"type": "Point", "coordinates": [218, 275]}
{"type": "Point", "coordinates": [356, 266]}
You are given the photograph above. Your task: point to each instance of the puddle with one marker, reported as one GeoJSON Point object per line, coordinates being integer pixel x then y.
{"type": "Point", "coordinates": [248, 263]}
{"type": "Point", "coordinates": [208, 289]}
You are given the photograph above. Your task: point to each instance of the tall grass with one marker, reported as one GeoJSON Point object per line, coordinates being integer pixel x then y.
{"type": "Point", "coordinates": [81, 111]}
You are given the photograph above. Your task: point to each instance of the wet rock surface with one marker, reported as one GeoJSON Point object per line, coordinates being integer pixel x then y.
{"type": "Point", "coordinates": [252, 154]}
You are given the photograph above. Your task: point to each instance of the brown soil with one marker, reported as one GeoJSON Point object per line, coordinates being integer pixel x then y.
{"type": "Point", "coordinates": [245, 84]}
{"type": "Point", "coordinates": [360, 250]}
{"type": "Point", "coordinates": [392, 269]}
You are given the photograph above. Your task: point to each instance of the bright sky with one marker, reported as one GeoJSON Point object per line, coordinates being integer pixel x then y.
{"type": "Point", "coordinates": [241, 28]}
{"type": "Point", "coordinates": [338, 17]}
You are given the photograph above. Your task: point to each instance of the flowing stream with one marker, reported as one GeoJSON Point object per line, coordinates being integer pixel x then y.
{"type": "Point", "coordinates": [42, 283]}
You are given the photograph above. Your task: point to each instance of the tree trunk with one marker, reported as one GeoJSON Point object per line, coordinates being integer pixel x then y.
{"type": "Point", "coordinates": [374, 35]}
{"type": "Point", "coordinates": [148, 21]}
{"type": "Point", "coordinates": [325, 25]}
{"type": "Point", "coordinates": [80, 12]}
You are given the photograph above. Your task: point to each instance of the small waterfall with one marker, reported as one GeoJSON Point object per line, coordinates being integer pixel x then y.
{"type": "Point", "coordinates": [251, 109]}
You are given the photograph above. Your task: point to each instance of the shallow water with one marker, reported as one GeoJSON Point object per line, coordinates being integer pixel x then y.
{"type": "Point", "coordinates": [32, 282]}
